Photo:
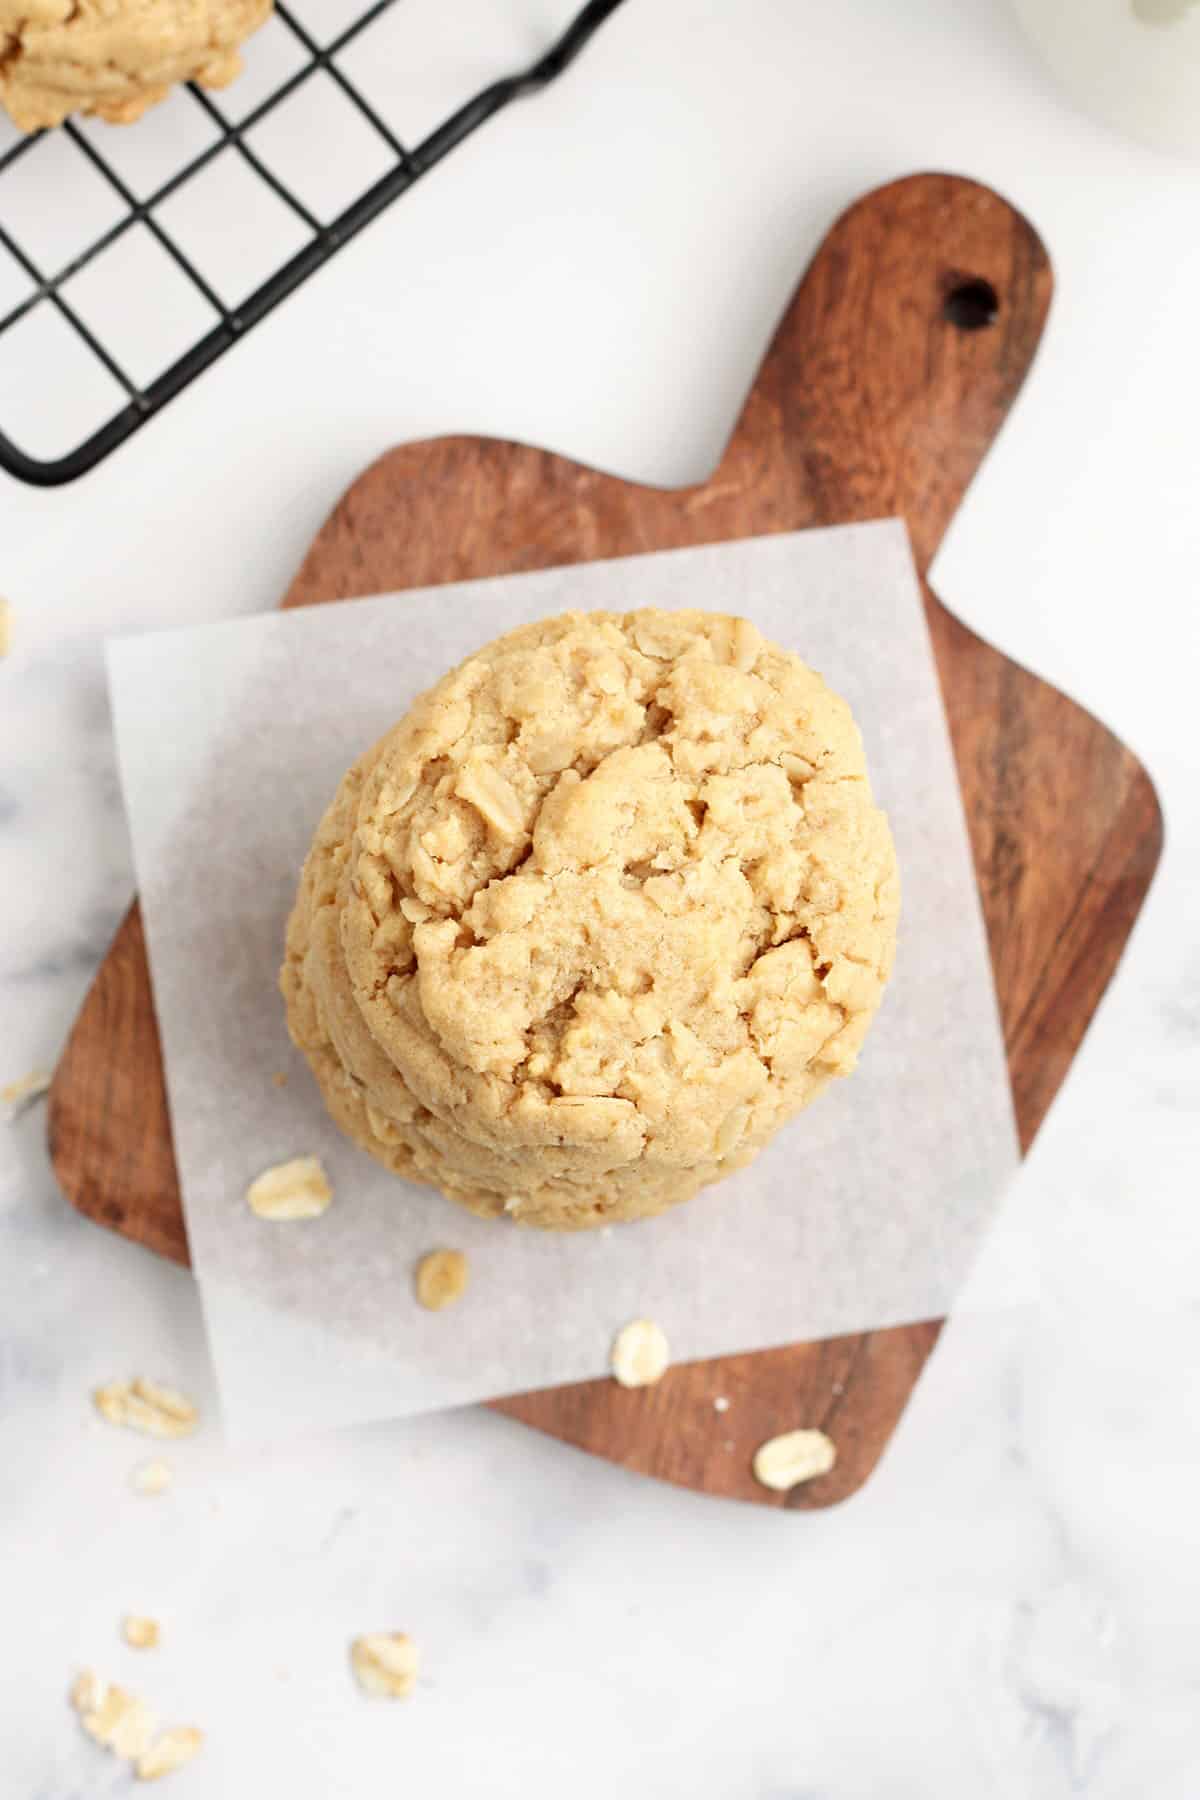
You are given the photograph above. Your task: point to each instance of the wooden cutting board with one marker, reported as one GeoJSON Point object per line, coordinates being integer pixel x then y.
{"type": "Point", "coordinates": [891, 373]}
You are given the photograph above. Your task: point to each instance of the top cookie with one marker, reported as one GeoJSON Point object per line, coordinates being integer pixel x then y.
{"type": "Point", "coordinates": [610, 904]}
{"type": "Point", "coordinates": [114, 58]}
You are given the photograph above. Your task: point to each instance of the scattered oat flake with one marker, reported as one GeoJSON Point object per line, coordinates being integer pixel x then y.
{"type": "Point", "coordinates": [640, 1354]}
{"type": "Point", "coordinates": [169, 1751]}
{"type": "Point", "coordinates": [385, 1663]}
{"type": "Point", "coordinates": [291, 1190]}
{"type": "Point", "coordinates": [784, 1462]}
{"type": "Point", "coordinates": [112, 1716]}
{"type": "Point", "coordinates": [721, 1403]}
{"type": "Point", "coordinates": [88, 1691]}
{"type": "Point", "coordinates": [441, 1278]}
{"type": "Point", "coordinates": [146, 1406]}
{"type": "Point", "coordinates": [152, 1478]}
{"type": "Point", "coordinates": [15, 1096]}
{"type": "Point", "coordinates": [140, 1633]}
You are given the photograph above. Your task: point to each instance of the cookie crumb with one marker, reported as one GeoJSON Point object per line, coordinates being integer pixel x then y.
{"type": "Point", "coordinates": [146, 1406]}
{"type": "Point", "coordinates": [784, 1462]}
{"type": "Point", "coordinates": [298, 1189]}
{"type": "Point", "coordinates": [152, 1478]}
{"type": "Point", "coordinates": [140, 1633]}
{"type": "Point", "coordinates": [279, 1078]}
{"type": "Point", "coordinates": [441, 1278]}
{"type": "Point", "coordinates": [15, 1096]}
{"type": "Point", "coordinates": [385, 1664]}
{"type": "Point", "coordinates": [169, 1751]}
{"type": "Point", "coordinates": [640, 1354]}
{"type": "Point", "coordinates": [721, 1403]}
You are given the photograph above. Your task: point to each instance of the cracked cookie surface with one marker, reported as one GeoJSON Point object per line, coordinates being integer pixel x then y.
{"type": "Point", "coordinates": [115, 58]}
{"type": "Point", "coordinates": [610, 904]}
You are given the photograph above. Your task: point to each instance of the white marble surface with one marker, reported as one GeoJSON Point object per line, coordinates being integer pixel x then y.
{"type": "Point", "coordinates": [1009, 1608]}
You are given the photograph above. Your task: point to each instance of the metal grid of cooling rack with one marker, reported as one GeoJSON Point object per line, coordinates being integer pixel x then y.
{"type": "Point", "coordinates": [321, 240]}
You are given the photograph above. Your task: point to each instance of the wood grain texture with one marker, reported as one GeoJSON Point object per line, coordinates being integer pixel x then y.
{"type": "Point", "coordinates": [872, 401]}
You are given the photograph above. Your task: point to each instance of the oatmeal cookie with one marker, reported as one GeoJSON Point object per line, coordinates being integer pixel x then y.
{"type": "Point", "coordinates": [115, 58]}
{"type": "Point", "coordinates": [608, 906]}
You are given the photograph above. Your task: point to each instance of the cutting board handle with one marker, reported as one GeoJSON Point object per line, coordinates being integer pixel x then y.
{"type": "Point", "coordinates": [898, 358]}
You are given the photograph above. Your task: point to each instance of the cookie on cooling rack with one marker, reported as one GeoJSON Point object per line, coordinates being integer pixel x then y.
{"type": "Point", "coordinates": [115, 58]}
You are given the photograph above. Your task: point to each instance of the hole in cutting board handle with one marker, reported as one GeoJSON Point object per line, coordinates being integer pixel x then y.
{"type": "Point", "coordinates": [971, 304]}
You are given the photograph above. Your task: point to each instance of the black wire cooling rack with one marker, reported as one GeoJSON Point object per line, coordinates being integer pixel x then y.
{"type": "Point", "coordinates": [137, 400]}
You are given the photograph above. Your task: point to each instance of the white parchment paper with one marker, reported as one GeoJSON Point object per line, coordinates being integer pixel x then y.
{"type": "Point", "coordinates": [866, 1211]}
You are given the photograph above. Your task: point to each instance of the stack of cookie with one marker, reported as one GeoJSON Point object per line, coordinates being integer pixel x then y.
{"type": "Point", "coordinates": [608, 906]}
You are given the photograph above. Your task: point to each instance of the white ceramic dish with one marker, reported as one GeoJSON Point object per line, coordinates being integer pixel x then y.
{"type": "Point", "coordinates": [1133, 63]}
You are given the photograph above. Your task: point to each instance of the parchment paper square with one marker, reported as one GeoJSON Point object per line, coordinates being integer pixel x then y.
{"type": "Point", "coordinates": [866, 1211]}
